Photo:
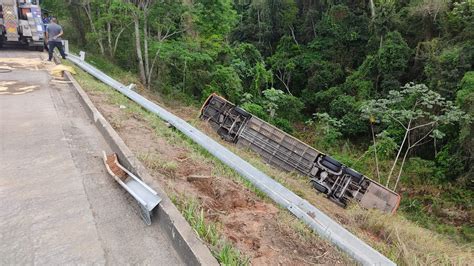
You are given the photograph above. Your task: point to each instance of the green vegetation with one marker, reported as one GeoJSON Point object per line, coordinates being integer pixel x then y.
{"type": "Point", "coordinates": [225, 253]}
{"type": "Point", "coordinates": [409, 244]}
{"type": "Point", "coordinates": [325, 71]}
{"type": "Point", "coordinates": [369, 226]}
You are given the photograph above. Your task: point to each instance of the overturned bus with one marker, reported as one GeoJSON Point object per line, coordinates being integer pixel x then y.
{"type": "Point", "coordinates": [339, 182]}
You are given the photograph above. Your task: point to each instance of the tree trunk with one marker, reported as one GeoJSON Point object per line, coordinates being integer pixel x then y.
{"type": "Point", "coordinates": [292, 30]}
{"type": "Point", "coordinates": [109, 39]}
{"type": "Point", "coordinates": [188, 19]}
{"type": "Point", "coordinates": [147, 58]}
{"type": "Point", "coordinates": [152, 68]}
{"type": "Point", "coordinates": [117, 38]}
{"type": "Point", "coordinates": [87, 9]}
{"type": "Point", "coordinates": [372, 8]}
{"type": "Point", "coordinates": [184, 75]}
{"type": "Point", "coordinates": [313, 25]}
{"type": "Point", "coordinates": [138, 45]}
{"type": "Point", "coordinates": [78, 22]}
{"type": "Point", "coordinates": [285, 81]}
{"type": "Point", "coordinates": [401, 168]}
{"type": "Point", "coordinates": [375, 152]}
{"type": "Point", "coordinates": [259, 27]}
{"type": "Point", "coordinates": [398, 154]}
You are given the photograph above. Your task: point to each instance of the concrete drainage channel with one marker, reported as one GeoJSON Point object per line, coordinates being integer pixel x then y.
{"type": "Point", "coordinates": [183, 238]}
{"type": "Point", "coordinates": [313, 217]}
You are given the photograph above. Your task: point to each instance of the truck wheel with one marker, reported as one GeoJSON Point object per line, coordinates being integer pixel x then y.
{"type": "Point", "coordinates": [332, 160]}
{"type": "Point", "coordinates": [318, 187]}
{"type": "Point", "coordinates": [330, 166]}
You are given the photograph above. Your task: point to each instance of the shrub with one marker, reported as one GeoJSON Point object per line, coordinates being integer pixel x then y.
{"type": "Point", "coordinates": [283, 124]}
{"type": "Point", "coordinates": [256, 110]}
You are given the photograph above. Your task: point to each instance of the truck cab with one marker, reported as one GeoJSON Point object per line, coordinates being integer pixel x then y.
{"type": "Point", "coordinates": [21, 24]}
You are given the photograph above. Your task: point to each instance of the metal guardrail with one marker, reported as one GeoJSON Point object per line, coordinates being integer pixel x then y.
{"type": "Point", "coordinates": [146, 197]}
{"type": "Point", "coordinates": [309, 214]}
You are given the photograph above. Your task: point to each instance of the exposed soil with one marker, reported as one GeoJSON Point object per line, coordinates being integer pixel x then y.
{"type": "Point", "coordinates": [111, 162]}
{"type": "Point", "coordinates": [255, 226]}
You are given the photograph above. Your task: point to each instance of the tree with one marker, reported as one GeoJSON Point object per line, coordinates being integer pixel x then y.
{"type": "Point", "coordinates": [342, 36]}
{"type": "Point", "coordinates": [107, 20]}
{"type": "Point", "coordinates": [93, 12]}
{"type": "Point", "coordinates": [465, 100]}
{"type": "Point", "coordinates": [214, 17]}
{"type": "Point", "coordinates": [419, 112]}
{"type": "Point", "coordinates": [429, 11]}
{"type": "Point", "coordinates": [284, 61]}
{"type": "Point", "coordinates": [446, 68]}
{"type": "Point", "coordinates": [154, 23]}
{"type": "Point", "coordinates": [226, 81]}
{"type": "Point", "coordinates": [116, 19]}
{"type": "Point", "coordinates": [166, 22]}
{"type": "Point", "coordinates": [392, 60]}
{"type": "Point", "coordinates": [322, 75]}
{"type": "Point", "coordinates": [383, 19]}
{"type": "Point", "coordinates": [460, 21]}
{"type": "Point", "coordinates": [272, 99]}
{"type": "Point", "coordinates": [287, 16]}
{"type": "Point", "coordinates": [139, 8]}
{"type": "Point", "coordinates": [372, 8]}
{"type": "Point", "coordinates": [253, 72]}
{"type": "Point", "coordinates": [385, 68]}
{"type": "Point", "coordinates": [328, 127]}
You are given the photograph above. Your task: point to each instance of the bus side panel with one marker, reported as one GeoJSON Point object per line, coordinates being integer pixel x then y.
{"type": "Point", "coordinates": [277, 147]}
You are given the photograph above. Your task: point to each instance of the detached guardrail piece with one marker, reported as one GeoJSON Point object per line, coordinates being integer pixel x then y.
{"type": "Point", "coordinates": [146, 197]}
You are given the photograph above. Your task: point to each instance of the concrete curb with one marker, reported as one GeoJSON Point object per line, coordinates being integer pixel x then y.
{"type": "Point", "coordinates": [191, 249]}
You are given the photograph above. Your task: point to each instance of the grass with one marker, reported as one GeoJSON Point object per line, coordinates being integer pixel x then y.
{"type": "Point", "coordinates": [443, 207]}
{"type": "Point", "coordinates": [222, 250]}
{"type": "Point", "coordinates": [403, 241]}
{"type": "Point", "coordinates": [154, 162]}
{"type": "Point", "coordinates": [408, 243]}
{"type": "Point", "coordinates": [439, 212]}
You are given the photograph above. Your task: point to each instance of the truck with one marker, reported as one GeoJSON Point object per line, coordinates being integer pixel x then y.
{"type": "Point", "coordinates": [21, 23]}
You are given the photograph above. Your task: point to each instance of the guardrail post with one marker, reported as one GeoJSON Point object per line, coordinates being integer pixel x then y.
{"type": "Point", "coordinates": [82, 55]}
{"type": "Point", "coordinates": [66, 46]}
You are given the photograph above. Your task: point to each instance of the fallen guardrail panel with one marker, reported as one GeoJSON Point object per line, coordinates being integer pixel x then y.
{"type": "Point", "coordinates": [318, 221]}
{"type": "Point", "coordinates": [146, 197]}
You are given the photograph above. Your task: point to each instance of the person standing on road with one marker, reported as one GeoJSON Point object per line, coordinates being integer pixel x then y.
{"type": "Point", "coordinates": [53, 34]}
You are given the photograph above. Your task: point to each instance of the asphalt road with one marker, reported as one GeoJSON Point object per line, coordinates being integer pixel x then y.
{"type": "Point", "coordinates": [57, 203]}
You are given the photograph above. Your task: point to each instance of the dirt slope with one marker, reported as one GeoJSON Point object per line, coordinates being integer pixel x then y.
{"type": "Point", "coordinates": [262, 231]}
